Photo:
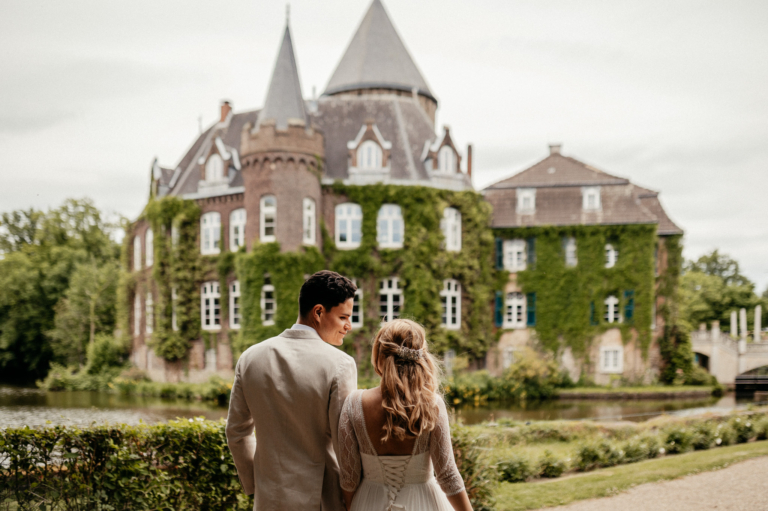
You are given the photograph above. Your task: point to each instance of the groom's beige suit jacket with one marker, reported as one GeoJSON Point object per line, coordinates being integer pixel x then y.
{"type": "Point", "coordinates": [290, 389]}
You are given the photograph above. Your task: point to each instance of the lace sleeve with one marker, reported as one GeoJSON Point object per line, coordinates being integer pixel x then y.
{"type": "Point", "coordinates": [441, 453]}
{"type": "Point", "coordinates": [350, 464]}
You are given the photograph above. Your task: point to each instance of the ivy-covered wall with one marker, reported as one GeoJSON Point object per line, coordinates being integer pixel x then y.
{"type": "Point", "coordinates": [564, 295]}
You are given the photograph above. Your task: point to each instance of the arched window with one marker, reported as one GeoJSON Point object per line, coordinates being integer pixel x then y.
{"type": "Point", "coordinates": [450, 297]}
{"type": "Point", "coordinates": [268, 220]}
{"type": "Point", "coordinates": [150, 313]}
{"type": "Point", "coordinates": [214, 168]}
{"type": "Point", "coordinates": [349, 225]}
{"type": "Point", "coordinates": [149, 243]}
{"type": "Point", "coordinates": [308, 221]}
{"type": "Point", "coordinates": [236, 229]}
{"type": "Point", "coordinates": [369, 156]}
{"type": "Point", "coordinates": [612, 313]}
{"type": "Point", "coordinates": [210, 233]}
{"type": "Point", "coordinates": [611, 256]}
{"type": "Point", "coordinates": [210, 308]}
{"type": "Point", "coordinates": [452, 229]}
{"type": "Point", "coordinates": [234, 305]}
{"type": "Point", "coordinates": [268, 303]}
{"type": "Point", "coordinates": [446, 160]}
{"type": "Point", "coordinates": [136, 253]}
{"type": "Point", "coordinates": [136, 314]}
{"type": "Point", "coordinates": [390, 226]}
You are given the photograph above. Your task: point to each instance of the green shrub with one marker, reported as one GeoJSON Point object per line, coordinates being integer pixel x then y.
{"type": "Point", "coordinates": [598, 454]}
{"type": "Point", "coordinates": [549, 466]}
{"type": "Point", "coordinates": [479, 478]}
{"type": "Point", "coordinates": [743, 428]}
{"type": "Point", "coordinates": [761, 427]}
{"type": "Point", "coordinates": [725, 435]}
{"type": "Point", "coordinates": [704, 435]}
{"type": "Point", "coordinates": [679, 440]}
{"type": "Point", "coordinates": [105, 353]}
{"type": "Point", "coordinates": [516, 469]}
{"type": "Point", "coordinates": [640, 447]}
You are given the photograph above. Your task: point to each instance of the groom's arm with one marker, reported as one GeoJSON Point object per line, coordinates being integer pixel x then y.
{"type": "Point", "coordinates": [240, 439]}
{"type": "Point", "coordinates": [345, 383]}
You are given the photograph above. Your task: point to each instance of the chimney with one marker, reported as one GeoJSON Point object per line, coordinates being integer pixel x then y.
{"type": "Point", "coordinates": [225, 109]}
{"type": "Point", "coordinates": [469, 160]}
{"type": "Point", "coordinates": [555, 148]}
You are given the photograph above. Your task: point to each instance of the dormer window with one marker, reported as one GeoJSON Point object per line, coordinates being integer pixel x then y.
{"type": "Point", "coordinates": [446, 160]}
{"type": "Point", "coordinates": [369, 156]}
{"type": "Point", "coordinates": [214, 168]}
{"type": "Point", "coordinates": [591, 198]}
{"type": "Point", "coordinates": [526, 200]}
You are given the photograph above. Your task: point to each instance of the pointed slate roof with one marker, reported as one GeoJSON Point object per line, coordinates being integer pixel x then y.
{"type": "Point", "coordinates": [284, 99]}
{"type": "Point", "coordinates": [377, 58]}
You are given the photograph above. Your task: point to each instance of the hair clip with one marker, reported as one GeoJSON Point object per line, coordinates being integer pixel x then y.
{"type": "Point", "coordinates": [409, 353]}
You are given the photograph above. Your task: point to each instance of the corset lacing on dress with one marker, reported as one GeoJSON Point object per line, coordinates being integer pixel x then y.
{"type": "Point", "coordinates": [393, 470]}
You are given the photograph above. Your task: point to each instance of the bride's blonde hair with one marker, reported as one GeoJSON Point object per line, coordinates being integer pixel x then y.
{"type": "Point", "coordinates": [409, 379]}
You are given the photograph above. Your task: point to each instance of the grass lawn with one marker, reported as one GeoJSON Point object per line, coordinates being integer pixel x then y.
{"type": "Point", "coordinates": [609, 481]}
{"type": "Point", "coordinates": [635, 390]}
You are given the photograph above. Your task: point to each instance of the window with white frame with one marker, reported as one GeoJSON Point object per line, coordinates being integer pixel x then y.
{"type": "Point", "coordinates": [451, 225]}
{"type": "Point", "coordinates": [137, 253]}
{"type": "Point", "coordinates": [174, 300]}
{"type": "Point", "coordinates": [390, 226]}
{"type": "Point", "coordinates": [268, 218]}
{"type": "Point", "coordinates": [514, 311]}
{"type": "Point", "coordinates": [136, 314]}
{"type": "Point", "coordinates": [611, 256]}
{"type": "Point", "coordinates": [214, 168]}
{"type": "Point", "coordinates": [570, 252]}
{"type": "Point", "coordinates": [390, 299]}
{"type": "Point", "coordinates": [268, 303]}
{"type": "Point", "coordinates": [612, 313]}
{"type": "Point", "coordinates": [590, 197]}
{"type": "Point", "coordinates": [308, 221]}
{"type": "Point", "coordinates": [210, 233]}
{"type": "Point", "coordinates": [446, 160]}
{"type": "Point", "coordinates": [369, 156]}
{"type": "Point", "coordinates": [236, 229]}
{"type": "Point", "coordinates": [149, 315]}
{"type": "Point", "coordinates": [357, 307]}
{"type": "Point", "coordinates": [234, 304]}
{"type": "Point", "coordinates": [526, 200]}
{"type": "Point", "coordinates": [349, 225]}
{"type": "Point", "coordinates": [210, 308]}
{"type": "Point", "coordinates": [149, 243]}
{"type": "Point", "coordinates": [174, 235]}
{"type": "Point", "coordinates": [450, 297]}
{"type": "Point", "coordinates": [612, 359]}
{"type": "Point", "coordinates": [515, 256]}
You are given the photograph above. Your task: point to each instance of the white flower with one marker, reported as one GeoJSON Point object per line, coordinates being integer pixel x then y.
{"type": "Point", "coordinates": [738, 420]}
{"type": "Point", "coordinates": [672, 442]}
{"type": "Point", "coordinates": [662, 450]}
{"type": "Point", "coordinates": [749, 424]}
{"type": "Point", "coordinates": [190, 420]}
{"type": "Point", "coordinates": [719, 441]}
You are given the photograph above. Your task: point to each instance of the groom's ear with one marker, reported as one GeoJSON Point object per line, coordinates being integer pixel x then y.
{"type": "Point", "coordinates": [317, 311]}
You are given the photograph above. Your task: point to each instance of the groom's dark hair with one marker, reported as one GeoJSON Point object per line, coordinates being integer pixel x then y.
{"type": "Point", "coordinates": [327, 288]}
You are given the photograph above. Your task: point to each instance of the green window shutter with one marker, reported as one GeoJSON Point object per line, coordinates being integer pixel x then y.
{"type": "Point", "coordinates": [531, 246]}
{"type": "Point", "coordinates": [592, 317]}
{"type": "Point", "coordinates": [499, 254]}
{"type": "Point", "coordinates": [499, 309]}
{"type": "Point", "coordinates": [530, 308]}
{"type": "Point", "coordinates": [629, 306]}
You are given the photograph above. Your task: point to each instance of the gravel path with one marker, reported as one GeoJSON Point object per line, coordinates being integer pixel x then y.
{"type": "Point", "coordinates": [743, 486]}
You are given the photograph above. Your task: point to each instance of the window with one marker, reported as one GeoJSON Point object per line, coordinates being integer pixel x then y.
{"type": "Point", "coordinates": [210, 227]}
{"type": "Point", "coordinates": [308, 221]}
{"type": "Point", "coordinates": [174, 300]}
{"type": "Point", "coordinates": [369, 156]}
{"type": "Point", "coordinates": [451, 226]}
{"type": "Point", "coordinates": [136, 253]}
{"type": "Point", "coordinates": [214, 168]}
{"type": "Point", "coordinates": [590, 198]}
{"type": "Point", "coordinates": [530, 304]}
{"type": "Point", "coordinates": [514, 255]}
{"type": "Point", "coordinates": [268, 218]}
{"type": "Point", "coordinates": [592, 315]}
{"type": "Point", "coordinates": [653, 315]}
{"type": "Point", "coordinates": [136, 315]}
{"type": "Point", "coordinates": [236, 229]}
{"type": "Point", "coordinates": [526, 200]}
{"type": "Point", "coordinates": [149, 314]}
{"type": "Point", "coordinates": [507, 357]}
{"type": "Point", "coordinates": [149, 243]}
{"type": "Point", "coordinates": [612, 359]}
{"type": "Point", "coordinates": [611, 256]}
{"type": "Point", "coordinates": [349, 223]}
{"type": "Point", "coordinates": [390, 299]}
{"type": "Point", "coordinates": [612, 310]}
{"type": "Point", "coordinates": [531, 248]}
{"type": "Point", "coordinates": [268, 303]}
{"type": "Point", "coordinates": [357, 308]}
{"type": "Point", "coordinates": [210, 306]}
{"type": "Point", "coordinates": [569, 248]}
{"type": "Point", "coordinates": [234, 304]}
{"type": "Point", "coordinates": [514, 311]}
{"type": "Point", "coordinates": [629, 306]}
{"type": "Point", "coordinates": [174, 235]}
{"type": "Point", "coordinates": [446, 160]}
{"type": "Point", "coordinates": [390, 226]}
{"type": "Point", "coordinates": [450, 297]}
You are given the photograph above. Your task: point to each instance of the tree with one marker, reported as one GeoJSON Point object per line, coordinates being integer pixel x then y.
{"type": "Point", "coordinates": [720, 265]}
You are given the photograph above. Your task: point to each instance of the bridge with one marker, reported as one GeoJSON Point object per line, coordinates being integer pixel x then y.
{"type": "Point", "coordinates": [725, 357]}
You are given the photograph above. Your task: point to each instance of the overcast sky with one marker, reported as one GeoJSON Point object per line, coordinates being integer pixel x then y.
{"type": "Point", "coordinates": [671, 94]}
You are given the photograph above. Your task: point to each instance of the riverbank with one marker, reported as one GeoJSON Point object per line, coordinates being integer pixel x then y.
{"type": "Point", "coordinates": [650, 392]}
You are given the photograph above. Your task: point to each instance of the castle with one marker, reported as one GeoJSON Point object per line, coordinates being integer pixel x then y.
{"type": "Point", "coordinates": [562, 256]}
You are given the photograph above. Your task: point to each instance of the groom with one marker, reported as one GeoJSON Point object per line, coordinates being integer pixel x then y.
{"type": "Point", "coordinates": [291, 389]}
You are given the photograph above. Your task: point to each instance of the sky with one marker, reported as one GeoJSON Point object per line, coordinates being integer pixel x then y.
{"type": "Point", "coordinates": [672, 95]}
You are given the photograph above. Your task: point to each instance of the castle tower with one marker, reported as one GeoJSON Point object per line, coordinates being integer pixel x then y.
{"type": "Point", "coordinates": [282, 155]}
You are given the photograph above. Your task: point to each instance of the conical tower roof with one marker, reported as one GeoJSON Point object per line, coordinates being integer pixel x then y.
{"type": "Point", "coordinates": [377, 58]}
{"type": "Point", "coordinates": [284, 99]}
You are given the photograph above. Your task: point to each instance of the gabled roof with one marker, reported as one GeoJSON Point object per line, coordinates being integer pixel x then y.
{"type": "Point", "coordinates": [558, 170]}
{"type": "Point", "coordinates": [377, 58]}
{"type": "Point", "coordinates": [284, 99]}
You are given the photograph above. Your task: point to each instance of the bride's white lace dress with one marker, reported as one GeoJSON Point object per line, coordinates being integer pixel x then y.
{"type": "Point", "coordinates": [396, 483]}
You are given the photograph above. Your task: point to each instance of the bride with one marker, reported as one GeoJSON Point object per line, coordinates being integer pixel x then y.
{"type": "Point", "coordinates": [392, 436]}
